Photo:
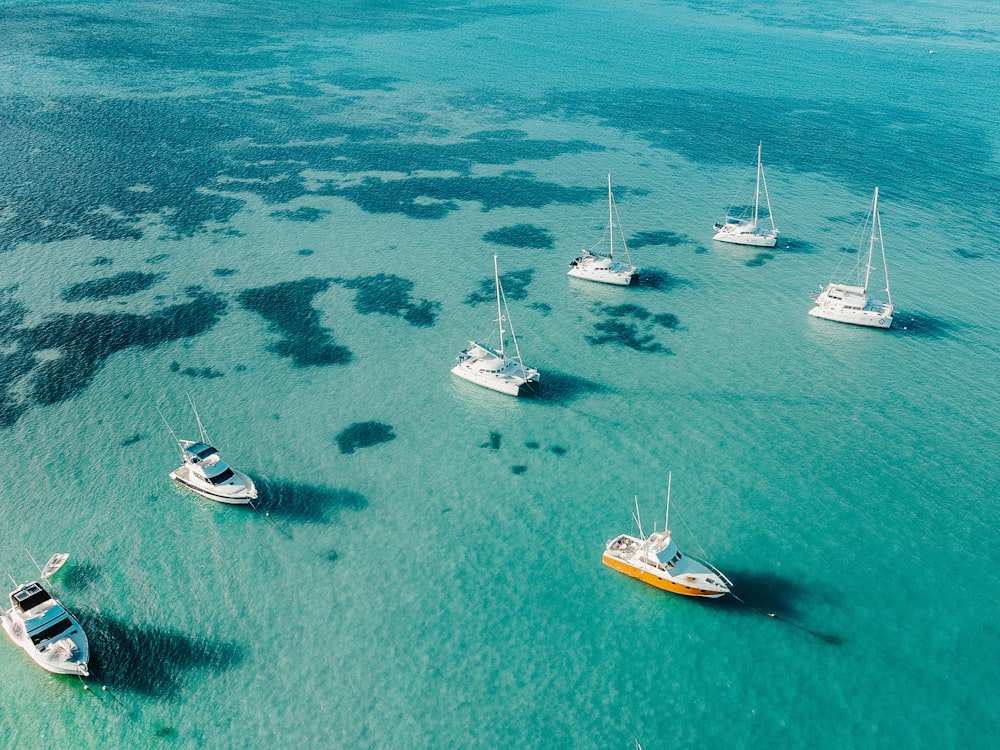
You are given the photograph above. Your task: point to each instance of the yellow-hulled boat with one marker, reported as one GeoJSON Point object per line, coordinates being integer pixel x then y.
{"type": "Point", "coordinates": [655, 560]}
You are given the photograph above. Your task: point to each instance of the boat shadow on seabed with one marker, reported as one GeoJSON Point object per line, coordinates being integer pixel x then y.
{"type": "Point", "coordinates": [916, 324]}
{"type": "Point", "coordinates": [773, 597]}
{"type": "Point", "coordinates": [149, 660]}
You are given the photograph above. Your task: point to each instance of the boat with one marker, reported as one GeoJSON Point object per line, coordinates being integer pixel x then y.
{"type": "Point", "coordinates": [203, 471]}
{"type": "Point", "coordinates": [742, 231]}
{"type": "Point", "coordinates": [596, 266]}
{"type": "Point", "coordinates": [656, 560]}
{"type": "Point", "coordinates": [850, 303]}
{"type": "Point", "coordinates": [44, 628]}
{"type": "Point", "coordinates": [491, 367]}
{"type": "Point", "coordinates": [55, 562]}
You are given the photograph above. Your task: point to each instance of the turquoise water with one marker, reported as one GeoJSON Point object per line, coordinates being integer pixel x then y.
{"type": "Point", "coordinates": [288, 210]}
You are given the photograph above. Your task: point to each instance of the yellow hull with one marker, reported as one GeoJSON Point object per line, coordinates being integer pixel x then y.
{"type": "Point", "coordinates": [667, 585]}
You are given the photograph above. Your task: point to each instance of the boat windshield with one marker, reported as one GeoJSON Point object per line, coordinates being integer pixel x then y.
{"type": "Point", "coordinates": [669, 556]}
{"type": "Point", "coordinates": [222, 477]}
{"type": "Point", "coordinates": [52, 631]}
{"type": "Point", "coordinates": [30, 596]}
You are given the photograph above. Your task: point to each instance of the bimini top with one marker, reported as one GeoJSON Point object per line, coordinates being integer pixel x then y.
{"type": "Point", "coordinates": [199, 451]}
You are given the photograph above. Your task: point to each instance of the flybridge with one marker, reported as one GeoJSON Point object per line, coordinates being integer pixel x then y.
{"type": "Point", "coordinates": [29, 596]}
{"type": "Point", "coordinates": [201, 451]}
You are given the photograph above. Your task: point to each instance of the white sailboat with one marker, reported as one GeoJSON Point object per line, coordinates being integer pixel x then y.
{"type": "Point", "coordinates": [742, 231]}
{"type": "Point", "coordinates": [656, 560]}
{"type": "Point", "coordinates": [492, 367]}
{"type": "Point", "coordinates": [596, 266]}
{"type": "Point", "coordinates": [850, 303]}
{"type": "Point", "coordinates": [38, 623]}
{"type": "Point", "coordinates": [203, 471]}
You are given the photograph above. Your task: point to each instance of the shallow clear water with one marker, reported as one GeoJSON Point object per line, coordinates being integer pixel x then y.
{"type": "Point", "coordinates": [289, 211]}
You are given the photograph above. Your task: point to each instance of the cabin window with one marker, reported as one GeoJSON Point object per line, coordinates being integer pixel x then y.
{"type": "Point", "coordinates": [52, 631]}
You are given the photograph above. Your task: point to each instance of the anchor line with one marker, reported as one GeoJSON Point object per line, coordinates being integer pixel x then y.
{"type": "Point", "coordinates": [267, 517]}
{"type": "Point", "coordinates": [104, 688]}
{"type": "Point", "coordinates": [281, 530]}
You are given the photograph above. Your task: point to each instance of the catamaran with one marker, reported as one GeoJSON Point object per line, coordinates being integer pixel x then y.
{"type": "Point", "coordinates": [492, 367]}
{"type": "Point", "coordinates": [742, 231]}
{"type": "Point", "coordinates": [596, 266]}
{"type": "Point", "coordinates": [203, 471]}
{"type": "Point", "coordinates": [47, 631]}
{"type": "Point", "coordinates": [655, 560]}
{"type": "Point", "coordinates": [846, 303]}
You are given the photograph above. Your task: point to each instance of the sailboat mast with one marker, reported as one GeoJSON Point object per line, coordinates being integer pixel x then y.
{"type": "Point", "coordinates": [885, 268]}
{"type": "Point", "coordinates": [611, 220]}
{"type": "Point", "coordinates": [767, 197]}
{"type": "Point", "coordinates": [496, 276]}
{"type": "Point", "coordinates": [871, 241]}
{"type": "Point", "coordinates": [756, 194]}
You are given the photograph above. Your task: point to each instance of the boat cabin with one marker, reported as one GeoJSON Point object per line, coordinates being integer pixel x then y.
{"type": "Point", "coordinates": [668, 557]}
{"type": "Point", "coordinates": [29, 596]}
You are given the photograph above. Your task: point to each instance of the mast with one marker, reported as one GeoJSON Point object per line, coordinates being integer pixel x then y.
{"type": "Point", "coordinates": [638, 521]}
{"type": "Point", "coordinates": [885, 268]}
{"type": "Point", "coordinates": [613, 205]}
{"type": "Point", "coordinates": [767, 198]}
{"type": "Point", "coordinates": [756, 194]}
{"type": "Point", "coordinates": [611, 219]}
{"type": "Point", "coordinates": [871, 240]}
{"type": "Point", "coordinates": [496, 276]}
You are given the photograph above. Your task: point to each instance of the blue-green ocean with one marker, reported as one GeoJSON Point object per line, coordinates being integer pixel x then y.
{"type": "Point", "coordinates": [288, 210]}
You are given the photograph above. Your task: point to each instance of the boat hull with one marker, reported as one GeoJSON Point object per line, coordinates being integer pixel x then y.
{"type": "Point", "coordinates": [866, 318]}
{"type": "Point", "coordinates": [851, 304]}
{"type": "Point", "coordinates": [660, 582]}
{"type": "Point", "coordinates": [512, 386]}
{"type": "Point", "coordinates": [184, 478]}
{"type": "Point", "coordinates": [76, 666]}
{"type": "Point", "coordinates": [746, 238]}
{"type": "Point", "coordinates": [603, 275]}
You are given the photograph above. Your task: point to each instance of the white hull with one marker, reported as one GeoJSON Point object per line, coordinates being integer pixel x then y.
{"type": "Point", "coordinates": [868, 318]}
{"type": "Point", "coordinates": [235, 494]}
{"type": "Point", "coordinates": [65, 650]}
{"type": "Point", "coordinates": [746, 237]}
{"type": "Point", "coordinates": [205, 473]}
{"type": "Point", "coordinates": [618, 274]}
{"type": "Point", "coordinates": [602, 266]}
{"type": "Point", "coordinates": [746, 231]}
{"type": "Point", "coordinates": [492, 368]}
{"type": "Point", "coordinates": [850, 303]}
{"type": "Point", "coordinates": [512, 385]}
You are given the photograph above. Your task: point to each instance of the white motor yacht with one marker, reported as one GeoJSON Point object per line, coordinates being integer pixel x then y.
{"type": "Point", "coordinates": [203, 470]}
{"type": "Point", "coordinates": [48, 633]}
